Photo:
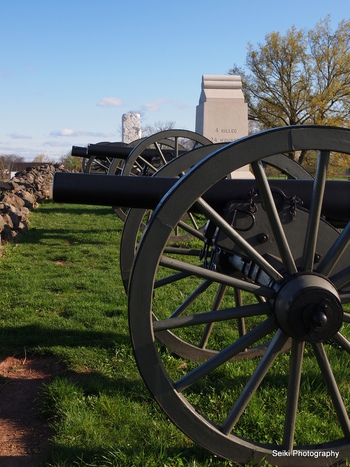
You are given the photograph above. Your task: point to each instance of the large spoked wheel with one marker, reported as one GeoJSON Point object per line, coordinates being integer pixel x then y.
{"type": "Point", "coordinates": [288, 407]}
{"type": "Point", "coordinates": [190, 239]}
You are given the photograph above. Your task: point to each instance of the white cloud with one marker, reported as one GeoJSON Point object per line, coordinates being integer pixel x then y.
{"type": "Point", "coordinates": [110, 102]}
{"type": "Point", "coordinates": [65, 132]}
{"type": "Point", "coordinates": [155, 105]}
{"type": "Point", "coordinates": [73, 133]}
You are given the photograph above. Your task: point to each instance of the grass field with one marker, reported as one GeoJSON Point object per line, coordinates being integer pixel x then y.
{"type": "Point", "coordinates": [62, 296]}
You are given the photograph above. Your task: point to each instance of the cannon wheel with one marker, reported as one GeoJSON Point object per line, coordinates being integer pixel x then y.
{"type": "Point", "coordinates": [134, 222]}
{"type": "Point", "coordinates": [134, 225]}
{"type": "Point", "coordinates": [168, 144]}
{"type": "Point", "coordinates": [267, 408]}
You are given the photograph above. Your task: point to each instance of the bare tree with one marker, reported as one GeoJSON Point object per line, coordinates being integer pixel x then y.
{"type": "Point", "coordinates": [7, 163]}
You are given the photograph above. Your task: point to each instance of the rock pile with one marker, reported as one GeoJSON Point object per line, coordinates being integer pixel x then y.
{"type": "Point", "coordinates": [22, 193]}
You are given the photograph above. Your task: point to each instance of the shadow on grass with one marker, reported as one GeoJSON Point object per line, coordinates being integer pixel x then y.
{"type": "Point", "coordinates": [50, 207]}
{"type": "Point", "coordinates": [37, 236]}
{"type": "Point", "coordinates": [34, 335]}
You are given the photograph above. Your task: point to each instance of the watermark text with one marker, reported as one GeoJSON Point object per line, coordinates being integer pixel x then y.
{"type": "Point", "coordinates": [305, 453]}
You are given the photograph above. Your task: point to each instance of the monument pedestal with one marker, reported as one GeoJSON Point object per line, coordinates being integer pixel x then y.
{"type": "Point", "coordinates": [222, 113]}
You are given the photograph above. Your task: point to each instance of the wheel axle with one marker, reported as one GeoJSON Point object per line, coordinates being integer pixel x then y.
{"type": "Point", "coordinates": [308, 308]}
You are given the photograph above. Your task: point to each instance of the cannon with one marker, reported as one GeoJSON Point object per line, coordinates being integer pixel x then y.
{"type": "Point", "coordinates": [267, 292]}
{"type": "Point", "coordinates": [140, 157]}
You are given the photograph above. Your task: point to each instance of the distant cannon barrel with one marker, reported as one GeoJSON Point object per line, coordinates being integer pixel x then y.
{"type": "Point", "coordinates": [146, 192]}
{"type": "Point", "coordinates": [103, 151]}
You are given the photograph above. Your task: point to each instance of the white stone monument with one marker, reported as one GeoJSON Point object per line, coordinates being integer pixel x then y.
{"type": "Point", "coordinates": [222, 113]}
{"type": "Point", "coordinates": [131, 124]}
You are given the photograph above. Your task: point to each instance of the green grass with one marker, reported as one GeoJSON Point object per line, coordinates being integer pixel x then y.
{"type": "Point", "coordinates": [62, 296]}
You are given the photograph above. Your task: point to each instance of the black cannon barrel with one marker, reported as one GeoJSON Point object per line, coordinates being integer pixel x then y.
{"type": "Point", "coordinates": [104, 151]}
{"type": "Point", "coordinates": [79, 151]}
{"type": "Point", "coordinates": [146, 192]}
{"type": "Point", "coordinates": [107, 190]}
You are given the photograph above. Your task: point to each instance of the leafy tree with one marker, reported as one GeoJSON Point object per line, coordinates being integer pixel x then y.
{"type": "Point", "coordinates": [300, 78]}
{"type": "Point", "coordinates": [71, 163]}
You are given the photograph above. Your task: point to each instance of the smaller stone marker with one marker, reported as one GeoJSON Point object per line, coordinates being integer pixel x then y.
{"type": "Point", "coordinates": [131, 124]}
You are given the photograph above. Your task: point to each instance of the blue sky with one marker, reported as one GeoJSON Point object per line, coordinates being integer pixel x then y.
{"type": "Point", "coordinates": [69, 69]}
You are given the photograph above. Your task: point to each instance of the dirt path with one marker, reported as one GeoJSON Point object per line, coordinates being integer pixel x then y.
{"type": "Point", "coordinates": [24, 435]}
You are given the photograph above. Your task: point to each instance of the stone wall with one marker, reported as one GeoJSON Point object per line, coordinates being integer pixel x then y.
{"type": "Point", "coordinates": [22, 193]}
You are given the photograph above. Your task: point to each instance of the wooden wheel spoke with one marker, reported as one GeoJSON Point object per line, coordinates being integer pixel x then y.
{"type": "Point", "coordinates": [200, 271]}
{"type": "Point", "coordinates": [342, 278]}
{"type": "Point", "coordinates": [182, 251]}
{"type": "Point", "coordinates": [176, 149]}
{"type": "Point", "coordinates": [148, 164]}
{"type": "Point", "coordinates": [188, 302]}
{"type": "Point", "coordinates": [275, 222]}
{"type": "Point", "coordinates": [334, 254]}
{"type": "Point", "coordinates": [101, 163]}
{"type": "Point", "coordinates": [332, 387]}
{"type": "Point", "coordinates": [342, 340]}
{"type": "Point", "coordinates": [293, 393]}
{"type": "Point", "coordinates": [211, 317]}
{"type": "Point", "coordinates": [193, 220]}
{"type": "Point", "coordinates": [193, 231]}
{"type": "Point", "coordinates": [259, 332]}
{"type": "Point", "coordinates": [315, 211]}
{"type": "Point", "coordinates": [216, 305]}
{"type": "Point", "coordinates": [239, 302]}
{"type": "Point", "coordinates": [254, 382]}
{"type": "Point", "coordinates": [171, 279]}
{"type": "Point", "coordinates": [160, 152]}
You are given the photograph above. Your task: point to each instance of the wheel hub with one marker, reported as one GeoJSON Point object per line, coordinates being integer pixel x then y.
{"type": "Point", "coordinates": [308, 308]}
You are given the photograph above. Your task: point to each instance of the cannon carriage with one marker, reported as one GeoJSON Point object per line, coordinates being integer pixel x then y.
{"type": "Point", "coordinates": [256, 304]}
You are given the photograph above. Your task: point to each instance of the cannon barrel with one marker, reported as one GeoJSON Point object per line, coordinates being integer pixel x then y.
{"type": "Point", "coordinates": [79, 151]}
{"type": "Point", "coordinates": [146, 192]}
{"type": "Point", "coordinates": [121, 152]}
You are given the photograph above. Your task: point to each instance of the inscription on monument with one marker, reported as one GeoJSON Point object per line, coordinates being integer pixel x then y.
{"type": "Point", "coordinates": [224, 135]}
